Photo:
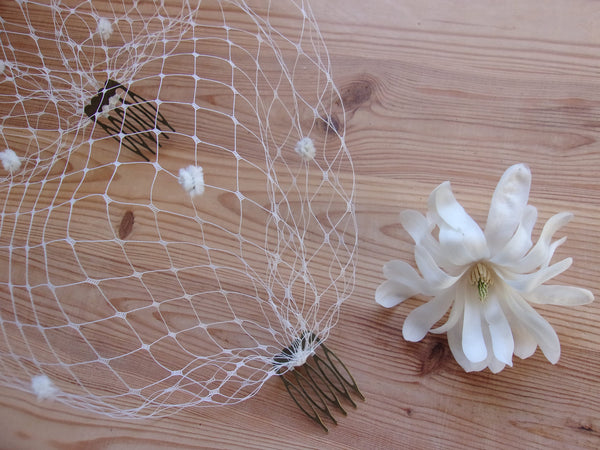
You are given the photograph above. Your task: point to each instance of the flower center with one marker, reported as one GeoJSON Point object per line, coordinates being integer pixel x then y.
{"type": "Point", "coordinates": [481, 277]}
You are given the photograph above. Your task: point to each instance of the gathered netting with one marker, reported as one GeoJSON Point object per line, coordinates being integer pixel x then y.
{"type": "Point", "coordinates": [138, 281]}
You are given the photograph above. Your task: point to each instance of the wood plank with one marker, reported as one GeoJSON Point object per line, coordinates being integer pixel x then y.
{"type": "Point", "coordinates": [432, 92]}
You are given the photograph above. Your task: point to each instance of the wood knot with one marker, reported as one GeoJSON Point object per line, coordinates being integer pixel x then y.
{"type": "Point", "coordinates": [331, 125]}
{"type": "Point", "coordinates": [585, 426]}
{"type": "Point", "coordinates": [126, 225]}
{"type": "Point", "coordinates": [435, 360]}
{"type": "Point", "coordinates": [357, 93]}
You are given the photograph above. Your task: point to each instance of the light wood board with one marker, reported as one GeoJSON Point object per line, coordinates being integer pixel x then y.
{"type": "Point", "coordinates": [434, 91]}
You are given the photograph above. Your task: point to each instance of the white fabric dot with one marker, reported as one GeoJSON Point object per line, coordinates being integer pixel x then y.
{"type": "Point", "coordinates": [43, 387]}
{"type": "Point", "coordinates": [10, 161]}
{"type": "Point", "coordinates": [305, 147]}
{"type": "Point", "coordinates": [105, 28]}
{"type": "Point", "coordinates": [192, 180]}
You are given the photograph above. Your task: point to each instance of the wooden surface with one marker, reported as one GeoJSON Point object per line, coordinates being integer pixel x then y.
{"type": "Point", "coordinates": [434, 91]}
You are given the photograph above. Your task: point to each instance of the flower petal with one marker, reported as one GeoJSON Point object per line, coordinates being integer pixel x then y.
{"type": "Point", "coordinates": [507, 206]}
{"type": "Point", "coordinates": [402, 272]}
{"type": "Point", "coordinates": [460, 236]}
{"type": "Point", "coordinates": [560, 295]}
{"type": "Point", "coordinates": [417, 225]}
{"type": "Point", "coordinates": [520, 243]}
{"type": "Point", "coordinates": [496, 365]}
{"type": "Point", "coordinates": [499, 328]}
{"type": "Point", "coordinates": [456, 314]}
{"type": "Point", "coordinates": [552, 249]}
{"type": "Point", "coordinates": [403, 282]}
{"type": "Point", "coordinates": [420, 229]}
{"type": "Point", "coordinates": [525, 344]}
{"type": "Point", "coordinates": [391, 293]}
{"type": "Point", "coordinates": [473, 343]}
{"type": "Point", "coordinates": [528, 282]}
{"type": "Point", "coordinates": [433, 275]}
{"type": "Point", "coordinates": [455, 340]}
{"type": "Point", "coordinates": [541, 253]}
{"type": "Point", "coordinates": [537, 326]}
{"type": "Point", "coordinates": [421, 319]}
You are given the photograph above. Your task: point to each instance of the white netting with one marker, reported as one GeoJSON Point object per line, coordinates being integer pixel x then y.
{"type": "Point", "coordinates": [135, 284]}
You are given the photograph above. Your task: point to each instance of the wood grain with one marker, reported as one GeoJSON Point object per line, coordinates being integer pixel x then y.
{"type": "Point", "coordinates": [433, 91]}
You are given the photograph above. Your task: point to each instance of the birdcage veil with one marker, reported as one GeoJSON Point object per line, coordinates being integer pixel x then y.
{"type": "Point", "coordinates": [177, 200]}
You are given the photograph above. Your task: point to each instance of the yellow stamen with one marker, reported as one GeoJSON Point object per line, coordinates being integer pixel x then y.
{"type": "Point", "coordinates": [482, 278]}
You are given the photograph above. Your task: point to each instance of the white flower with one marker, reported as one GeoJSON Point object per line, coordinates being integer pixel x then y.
{"type": "Point", "coordinates": [488, 278]}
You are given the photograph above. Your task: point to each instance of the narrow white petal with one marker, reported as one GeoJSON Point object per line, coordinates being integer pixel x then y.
{"type": "Point", "coordinates": [499, 328]}
{"type": "Point", "coordinates": [520, 243]}
{"type": "Point", "coordinates": [433, 275]}
{"type": "Point", "coordinates": [541, 252]}
{"type": "Point", "coordinates": [552, 249]}
{"type": "Point", "coordinates": [455, 344]}
{"type": "Point", "coordinates": [491, 361]}
{"type": "Point", "coordinates": [416, 224]}
{"type": "Point", "coordinates": [401, 272]}
{"type": "Point", "coordinates": [560, 295]}
{"type": "Point", "coordinates": [507, 206]}
{"type": "Point", "coordinates": [420, 228]}
{"type": "Point", "coordinates": [496, 365]}
{"type": "Point", "coordinates": [473, 343]}
{"type": "Point", "coordinates": [525, 344]}
{"type": "Point", "coordinates": [452, 244]}
{"type": "Point", "coordinates": [390, 293]}
{"type": "Point", "coordinates": [399, 269]}
{"type": "Point", "coordinates": [421, 319]}
{"type": "Point", "coordinates": [460, 236]}
{"type": "Point", "coordinates": [537, 326]}
{"type": "Point", "coordinates": [525, 283]}
{"type": "Point", "coordinates": [458, 308]}
{"type": "Point", "coordinates": [455, 340]}
{"type": "Point", "coordinates": [456, 314]}
{"type": "Point", "coordinates": [443, 202]}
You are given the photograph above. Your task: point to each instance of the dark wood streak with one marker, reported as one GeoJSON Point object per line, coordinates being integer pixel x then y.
{"type": "Point", "coordinates": [438, 354]}
{"type": "Point", "coordinates": [126, 225]}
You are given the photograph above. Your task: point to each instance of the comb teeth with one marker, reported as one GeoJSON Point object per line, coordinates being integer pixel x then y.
{"type": "Point", "coordinates": [128, 118]}
{"type": "Point", "coordinates": [321, 385]}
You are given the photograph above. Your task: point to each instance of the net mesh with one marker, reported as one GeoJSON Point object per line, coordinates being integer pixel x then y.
{"type": "Point", "coordinates": [127, 293]}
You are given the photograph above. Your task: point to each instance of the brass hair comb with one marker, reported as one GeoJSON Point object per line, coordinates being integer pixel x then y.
{"type": "Point", "coordinates": [318, 384]}
{"type": "Point", "coordinates": [127, 117]}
